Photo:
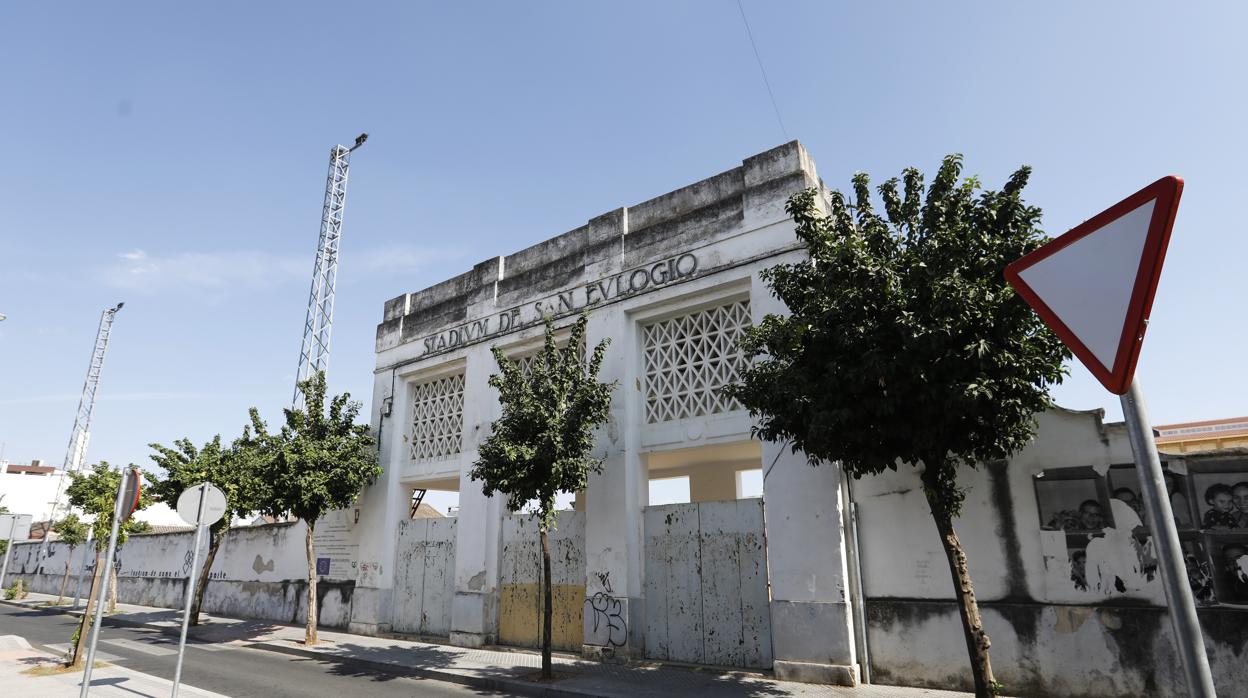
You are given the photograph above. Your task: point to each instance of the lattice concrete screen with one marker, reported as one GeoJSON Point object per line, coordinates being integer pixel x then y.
{"type": "Point", "coordinates": [688, 358]}
{"type": "Point", "coordinates": [525, 362]}
{"type": "Point", "coordinates": [438, 417]}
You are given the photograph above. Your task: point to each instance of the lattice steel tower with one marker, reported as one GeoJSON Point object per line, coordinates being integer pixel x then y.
{"type": "Point", "coordinates": [78, 438]}
{"type": "Point", "coordinates": [76, 454]}
{"type": "Point", "coordinates": [314, 354]}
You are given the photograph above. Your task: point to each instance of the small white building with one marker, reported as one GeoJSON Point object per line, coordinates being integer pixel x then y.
{"type": "Point", "coordinates": [30, 489]}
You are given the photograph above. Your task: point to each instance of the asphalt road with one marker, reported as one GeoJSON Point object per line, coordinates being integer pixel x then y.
{"type": "Point", "coordinates": [238, 672]}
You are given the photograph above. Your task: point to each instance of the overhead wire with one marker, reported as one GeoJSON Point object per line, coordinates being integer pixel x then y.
{"type": "Point", "coordinates": [763, 70]}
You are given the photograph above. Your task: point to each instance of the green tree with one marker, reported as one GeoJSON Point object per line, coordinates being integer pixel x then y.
{"type": "Point", "coordinates": [230, 469]}
{"type": "Point", "coordinates": [72, 532]}
{"type": "Point", "coordinates": [318, 463]}
{"type": "Point", "coordinates": [541, 444]}
{"type": "Point", "coordinates": [95, 494]}
{"type": "Point", "coordinates": [905, 345]}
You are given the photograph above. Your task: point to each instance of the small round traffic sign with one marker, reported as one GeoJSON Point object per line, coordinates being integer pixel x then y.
{"type": "Point", "coordinates": [214, 504]}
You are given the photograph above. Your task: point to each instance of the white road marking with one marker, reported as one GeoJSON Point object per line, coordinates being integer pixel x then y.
{"type": "Point", "coordinates": [146, 647]}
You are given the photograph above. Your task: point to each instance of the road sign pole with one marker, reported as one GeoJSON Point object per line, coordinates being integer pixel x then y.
{"type": "Point", "coordinates": [126, 474]}
{"type": "Point", "coordinates": [1187, 635]}
{"type": "Point", "coordinates": [190, 586]}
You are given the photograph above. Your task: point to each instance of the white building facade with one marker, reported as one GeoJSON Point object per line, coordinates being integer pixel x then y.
{"type": "Point", "coordinates": [820, 579]}
{"type": "Point", "coordinates": [721, 580]}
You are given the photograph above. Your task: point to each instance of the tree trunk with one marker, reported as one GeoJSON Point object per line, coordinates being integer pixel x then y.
{"type": "Point", "coordinates": [65, 579]}
{"type": "Point", "coordinates": [112, 590]}
{"type": "Point", "coordinates": [309, 635]}
{"type": "Point", "coordinates": [84, 626]}
{"type": "Point", "coordinates": [546, 606]}
{"type": "Point", "coordinates": [943, 498]}
{"type": "Point", "coordinates": [197, 601]}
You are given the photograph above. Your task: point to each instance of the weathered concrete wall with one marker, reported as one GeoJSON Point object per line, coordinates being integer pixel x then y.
{"type": "Point", "coordinates": [260, 572]}
{"type": "Point", "coordinates": [706, 584]}
{"type": "Point", "coordinates": [1073, 605]}
{"type": "Point", "coordinates": [59, 556]}
{"type": "Point", "coordinates": [1052, 650]}
{"type": "Point", "coordinates": [425, 576]}
{"type": "Point", "coordinates": [521, 589]}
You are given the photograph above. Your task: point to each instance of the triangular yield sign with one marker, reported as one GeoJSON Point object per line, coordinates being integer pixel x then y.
{"type": "Point", "coordinates": [1095, 285]}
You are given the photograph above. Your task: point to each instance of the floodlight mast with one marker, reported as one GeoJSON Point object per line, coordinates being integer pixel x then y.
{"type": "Point", "coordinates": [76, 453]}
{"type": "Point", "coordinates": [314, 352]}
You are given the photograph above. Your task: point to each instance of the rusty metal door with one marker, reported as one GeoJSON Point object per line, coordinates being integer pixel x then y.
{"type": "Point", "coordinates": [424, 581]}
{"type": "Point", "coordinates": [707, 600]}
{"type": "Point", "coordinates": [520, 580]}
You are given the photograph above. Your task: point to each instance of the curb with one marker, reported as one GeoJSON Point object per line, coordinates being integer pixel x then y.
{"type": "Point", "coordinates": [493, 683]}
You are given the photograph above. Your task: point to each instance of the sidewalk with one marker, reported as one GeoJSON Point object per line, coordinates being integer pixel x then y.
{"type": "Point", "coordinates": [18, 659]}
{"type": "Point", "coordinates": [494, 669]}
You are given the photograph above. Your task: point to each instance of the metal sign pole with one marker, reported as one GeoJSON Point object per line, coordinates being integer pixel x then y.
{"type": "Point", "coordinates": [1187, 635]}
{"type": "Point", "coordinates": [190, 586]}
{"type": "Point", "coordinates": [103, 585]}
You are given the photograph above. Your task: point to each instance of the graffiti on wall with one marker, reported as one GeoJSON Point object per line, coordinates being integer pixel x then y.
{"type": "Point", "coordinates": [605, 624]}
{"type": "Point", "coordinates": [1099, 515]}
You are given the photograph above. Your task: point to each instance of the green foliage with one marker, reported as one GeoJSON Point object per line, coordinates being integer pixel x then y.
{"type": "Point", "coordinates": [541, 444]}
{"type": "Point", "coordinates": [17, 591]}
{"type": "Point", "coordinates": [95, 494]}
{"type": "Point", "coordinates": [72, 530]}
{"type": "Point", "coordinates": [319, 461]}
{"type": "Point", "coordinates": [905, 343]}
{"type": "Point", "coordinates": [230, 469]}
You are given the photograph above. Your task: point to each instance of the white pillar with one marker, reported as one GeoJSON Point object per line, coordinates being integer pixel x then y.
{"type": "Point", "coordinates": [811, 623]}
{"type": "Point", "coordinates": [381, 507]}
{"type": "Point", "coordinates": [614, 500]}
{"type": "Point", "coordinates": [478, 537]}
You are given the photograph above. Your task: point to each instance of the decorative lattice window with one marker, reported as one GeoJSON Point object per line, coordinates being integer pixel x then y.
{"type": "Point", "coordinates": [438, 417]}
{"type": "Point", "coordinates": [526, 361]}
{"type": "Point", "coordinates": [689, 358]}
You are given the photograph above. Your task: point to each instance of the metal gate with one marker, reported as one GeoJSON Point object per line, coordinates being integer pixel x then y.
{"type": "Point", "coordinates": [424, 580]}
{"type": "Point", "coordinates": [707, 600]}
{"type": "Point", "coordinates": [520, 597]}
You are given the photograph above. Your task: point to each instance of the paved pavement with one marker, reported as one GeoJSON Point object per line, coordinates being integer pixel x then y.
{"type": "Point", "coordinates": [225, 645]}
{"type": "Point", "coordinates": [18, 658]}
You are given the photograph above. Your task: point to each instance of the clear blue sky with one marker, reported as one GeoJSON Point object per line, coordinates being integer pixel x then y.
{"type": "Point", "coordinates": [173, 157]}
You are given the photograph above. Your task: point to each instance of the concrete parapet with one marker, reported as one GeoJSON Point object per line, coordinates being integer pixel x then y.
{"type": "Point", "coordinates": [727, 204]}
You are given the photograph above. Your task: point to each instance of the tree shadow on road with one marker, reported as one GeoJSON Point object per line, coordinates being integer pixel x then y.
{"type": "Point", "coordinates": [387, 663]}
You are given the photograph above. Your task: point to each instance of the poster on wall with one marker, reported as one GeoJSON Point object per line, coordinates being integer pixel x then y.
{"type": "Point", "coordinates": [1109, 550]}
{"type": "Point", "coordinates": [335, 553]}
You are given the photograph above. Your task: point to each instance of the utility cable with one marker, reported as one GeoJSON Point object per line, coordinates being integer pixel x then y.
{"type": "Point", "coordinates": [763, 70]}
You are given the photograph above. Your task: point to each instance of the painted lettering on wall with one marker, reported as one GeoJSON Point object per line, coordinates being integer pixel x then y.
{"type": "Point", "coordinates": [627, 283]}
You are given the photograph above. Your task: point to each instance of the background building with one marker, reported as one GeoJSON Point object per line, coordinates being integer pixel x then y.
{"type": "Point", "coordinates": [1209, 435]}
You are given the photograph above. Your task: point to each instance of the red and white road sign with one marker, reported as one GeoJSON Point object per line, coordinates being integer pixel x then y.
{"type": "Point", "coordinates": [130, 494]}
{"type": "Point", "coordinates": [1095, 285]}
